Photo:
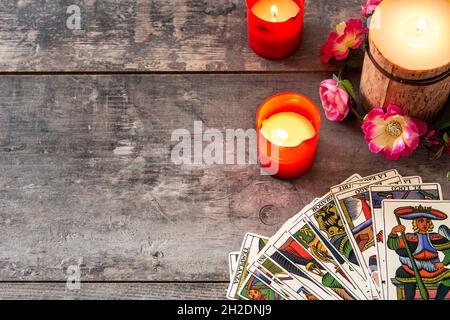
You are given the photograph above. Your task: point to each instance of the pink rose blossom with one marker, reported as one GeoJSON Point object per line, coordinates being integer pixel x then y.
{"type": "Point", "coordinates": [335, 100]}
{"type": "Point", "coordinates": [347, 35]}
{"type": "Point", "coordinates": [392, 134]}
{"type": "Point", "coordinates": [368, 8]}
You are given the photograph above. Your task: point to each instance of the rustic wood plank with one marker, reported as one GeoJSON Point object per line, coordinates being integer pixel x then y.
{"type": "Point", "coordinates": [86, 177]}
{"type": "Point", "coordinates": [113, 291]}
{"type": "Point", "coordinates": [151, 35]}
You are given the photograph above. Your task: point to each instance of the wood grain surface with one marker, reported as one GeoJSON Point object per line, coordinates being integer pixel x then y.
{"type": "Point", "coordinates": [86, 176]}
{"type": "Point", "coordinates": [87, 179]}
{"type": "Point", "coordinates": [113, 291]}
{"type": "Point", "coordinates": [152, 35]}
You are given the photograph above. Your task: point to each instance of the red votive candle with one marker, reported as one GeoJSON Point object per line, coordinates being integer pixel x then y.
{"type": "Point", "coordinates": [288, 126]}
{"type": "Point", "coordinates": [275, 27]}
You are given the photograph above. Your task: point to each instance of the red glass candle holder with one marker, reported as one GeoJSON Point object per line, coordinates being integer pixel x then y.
{"type": "Point", "coordinates": [274, 40]}
{"type": "Point", "coordinates": [287, 162]}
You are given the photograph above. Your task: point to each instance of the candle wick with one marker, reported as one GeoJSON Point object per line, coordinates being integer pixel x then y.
{"type": "Point", "coordinates": [421, 25]}
{"type": "Point", "coordinates": [274, 12]}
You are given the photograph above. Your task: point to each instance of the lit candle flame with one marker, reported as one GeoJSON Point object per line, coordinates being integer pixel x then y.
{"type": "Point", "coordinates": [274, 12]}
{"type": "Point", "coordinates": [421, 24]}
{"type": "Point", "coordinates": [283, 134]}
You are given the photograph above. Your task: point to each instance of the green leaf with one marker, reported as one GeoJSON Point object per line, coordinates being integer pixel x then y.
{"type": "Point", "coordinates": [445, 125]}
{"type": "Point", "coordinates": [445, 137]}
{"type": "Point", "coordinates": [347, 85]}
{"type": "Point", "coordinates": [448, 176]}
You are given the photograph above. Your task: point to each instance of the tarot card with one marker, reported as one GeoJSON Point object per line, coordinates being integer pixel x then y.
{"type": "Point", "coordinates": [255, 288]}
{"type": "Point", "coordinates": [319, 203]}
{"type": "Point", "coordinates": [278, 281]}
{"type": "Point", "coordinates": [412, 180]}
{"type": "Point", "coordinates": [235, 285]}
{"type": "Point", "coordinates": [240, 274]}
{"type": "Point", "coordinates": [417, 238]}
{"type": "Point", "coordinates": [354, 209]}
{"type": "Point", "coordinates": [324, 216]}
{"type": "Point", "coordinates": [301, 278]}
{"type": "Point", "coordinates": [425, 191]}
{"type": "Point", "coordinates": [251, 245]}
{"type": "Point", "coordinates": [297, 280]}
{"type": "Point", "coordinates": [299, 215]}
{"type": "Point", "coordinates": [232, 263]}
{"type": "Point", "coordinates": [376, 177]}
{"type": "Point", "coordinates": [305, 269]}
{"type": "Point", "coordinates": [282, 230]}
{"type": "Point", "coordinates": [364, 181]}
{"type": "Point", "coordinates": [305, 235]}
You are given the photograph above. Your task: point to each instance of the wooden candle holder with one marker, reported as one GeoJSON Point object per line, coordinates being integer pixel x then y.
{"type": "Point", "coordinates": [420, 94]}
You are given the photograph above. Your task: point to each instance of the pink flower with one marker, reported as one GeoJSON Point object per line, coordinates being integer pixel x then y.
{"type": "Point", "coordinates": [431, 138]}
{"type": "Point", "coordinates": [335, 100]}
{"type": "Point", "coordinates": [347, 35]}
{"type": "Point", "coordinates": [430, 134]}
{"type": "Point", "coordinates": [368, 8]}
{"type": "Point", "coordinates": [392, 134]}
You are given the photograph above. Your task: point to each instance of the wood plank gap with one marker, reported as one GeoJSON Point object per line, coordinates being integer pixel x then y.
{"type": "Point", "coordinates": [131, 72]}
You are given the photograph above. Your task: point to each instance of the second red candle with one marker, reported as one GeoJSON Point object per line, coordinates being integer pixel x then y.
{"type": "Point", "coordinates": [275, 39]}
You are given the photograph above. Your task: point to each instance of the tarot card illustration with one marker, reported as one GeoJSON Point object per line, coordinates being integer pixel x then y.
{"type": "Point", "coordinates": [256, 289]}
{"type": "Point", "coordinates": [325, 217]}
{"type": "Point", "coordinates": [426, 191]}
{"type": "Point", "coordinates": [281, 281]}
{"type": "Point", "coordinates": [310, 239]}
{"type": "Point", "coordinates": [418, 249]}
{"type": "Point", "coordinates": [289, 255]}
{"type": "Point", "coordinates": [356, 213]}
{"type": "Point", "coordinates": [251, 245]}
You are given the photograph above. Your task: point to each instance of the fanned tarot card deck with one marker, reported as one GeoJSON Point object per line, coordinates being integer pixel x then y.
{"type": "Point", "coordinates": [380, 237]}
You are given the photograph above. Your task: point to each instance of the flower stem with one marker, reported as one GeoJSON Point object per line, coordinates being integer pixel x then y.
{"type": "Point", "coordinates": [355, 112]}
{"type": "Point", "coordinates": [347, 85]}
{"type": "Point", "coordinates": [341, 71]}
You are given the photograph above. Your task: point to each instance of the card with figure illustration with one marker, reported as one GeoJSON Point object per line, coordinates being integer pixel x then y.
{"type": "Point", "coordinates": [256, 288]}
{"type": "Point", "coordinates": [292, 257]}
{"type": "Point", "coordinates": [355, 211]}
{"type": "Point", "coordinates": [251, 245]}
{"type": "Point", "coordinates": [309, 238]}
{"type": "Point", "coordinates": [282, 230]}
{"type": "Point", "coordinates": [417, 256]}
{"type": "Point", "coordinates": [268, 243]}
{"type": "Point", "coordinates": [303, 278]}
{"type": "Point", "coordinates": [377, 194]}
{"type": "Point", "coordinates": [324, 216]}
{"type": "Point", "coordinates": [300, 214]}
{"type": "Point", "coordinates": [279, 280]}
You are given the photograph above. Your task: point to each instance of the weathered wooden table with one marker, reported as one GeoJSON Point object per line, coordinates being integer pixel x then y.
{"type": "Point", "coordinates": [85, 140]}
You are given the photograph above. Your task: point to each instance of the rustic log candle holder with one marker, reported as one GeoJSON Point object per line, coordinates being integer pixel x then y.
{"type": "Point", "coordinates": [421, 94]}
